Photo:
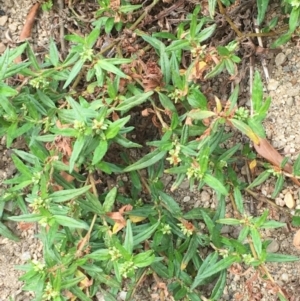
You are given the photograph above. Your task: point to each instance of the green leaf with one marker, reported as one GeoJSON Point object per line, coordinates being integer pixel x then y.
{"type": "Point", "coordinates": [21, 167]}
{"type": "Point", "coordinates": [229, 221]}
{"type": "Point", "coordinates": [190, 253]}
{"type": "Point", "coordinates": [206, 33]}
{"type": "Point", "coordinates": [145, 234]}
{"type": "Point", "coordinates": [200, 114]}
{"type": "Point", "coordinates": [53, 53]}
{"type": "Point", "coordinates": [165, 65]}
{"type": "Point", "coordinates": [278, 185]}
{"type": "Point", "coordinates": [282, 39]}
{"type": "Point", "coordinates": [92, 37]}
{"type": "Point", "coordinates": [245, 129]}
{"type": "Point", "coordinates": [110, 199]}
{"type": "Point", "coordinates": [67, 221]}
{"type": "Point", "coordinates": [230, 66]}
{"type": "Point", "coordinates": [105, 65]}
{"type": "Point", "coordinates": [218, 289]}
{"type": "Point", "coordinates": [99, 255]}
{"type": "Point", "coordinates": [257, 92]}
{"type": "Point", "coordinates": [128, 241]}
{"type": "Point", "coordinates": [296, 167]}
{"type": "Point", "coordinates": [262, 6]}
{"type": "Point", "coordinates": [68, 194]}
{"type": "Point", "coordinates": [144, 259]}
{"type": "Point", "coordinates": [147, 160]}
{"type": "Point", "coordinates": [177, 45]}
{"type": "Point", "coordinates": [77, 148]}
{"type": "Point", "coordinates": [256, 241]}
{"type": "Point", "coordinates": [216, 70]}
{"type": "Point", "coordinates": [238, 198]}
{"type": "Point", "coordinates": [26, 218]}
{"type": "Point", "coordinates": [4, 231]}
{"type": "Point", "coordinates": [133, 101]}
{"type": "Point", "coordinates": [257, 127]}
{"type": "Point", "coordinates": [100, 151]}
{"type": "Point", "coordinates": [74, 72]}
{"type": "Point", "coordinates": [214, 269]}
{"type": "Point", "coordinates": [233, 99]}
{"type": "Point", "coordinates": [260, 179]}
{"type": "Point", "coordinates": [215, 184]}
{"type": "Point", "coordinates": [272, 225]}
{"type": "Point", "coordinates": [294, 19]}
{"type": "Point", "coordinates": [275, 257]}
{"type": "Point", "coordinates": [155, 43]}
{"type": "Point", "coordinates": [171, 205]}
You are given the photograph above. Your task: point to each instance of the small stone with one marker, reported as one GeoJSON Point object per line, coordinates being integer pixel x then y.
{"type": "Point", "coordinates": [273, 247]}
{"type": "Point", "coordinates": [289, 200]}
{"type": "Point", "coordinates": [285, 277]}
{"type": "Point", "coordinates": [186, 199]}
{"type": "Point", "coordinates": [2, 47]}
{"type": "Point", "coordinates": [205, 196]}
{"type": "Point", "coordinates": [25, 256]}
{"type": "Point", "coordinates": [3, 20]}
{"type": "Point", "coordinates": [280, 59]}
{"type": "Point", "coordinates": [13, 27]}
{"type": "Point", "coordinates": [290, 101]}
{"type": "Point", "coordinates": [185, 184]}
{"type": "Point", "coordinates": [273, 85]}
{"type": "Point", "coordinates": [226, 229]}
{"type": "Point", "coordinates": [122, 295]}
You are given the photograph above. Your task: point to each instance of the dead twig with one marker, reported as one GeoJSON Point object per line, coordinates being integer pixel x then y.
{"type": "Point", "coordinates": [61, 28]}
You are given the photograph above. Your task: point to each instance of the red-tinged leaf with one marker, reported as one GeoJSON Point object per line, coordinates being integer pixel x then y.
{"type": "Point", "coordinates": [267, 151]}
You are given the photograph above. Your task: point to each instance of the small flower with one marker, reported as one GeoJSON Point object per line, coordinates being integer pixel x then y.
{"type": "Point", "coordinates": [36, 177]}
{"type": "Point", "coordinates": [38, 266]}
{"type": "Point", "coordinates": [248, 259]}
{"type": "Point", "coordinates": [87, 54]}
{"type": "Point", "coordinates": [98, 126]}
{"type": "Point", "coordinates": [49, 292]}
{"type": "Point", "coordinates": [127, 268]}
{"type": "Point", "coordinates": [80, 126]}
{"type": "Point", "coordinates": [166, 229]}
{"type": "Point", "coordinates": [114, 253]}
{"type": "Point", "coordinates": [187, 228]}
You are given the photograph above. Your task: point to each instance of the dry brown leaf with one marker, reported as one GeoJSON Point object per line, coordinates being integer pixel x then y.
{"type": "Point", "coordinates": [289, 200]}
{"type": "Point", "coordinates": [118, 218]}
{"type": "Point", "coordinates": [267, 151]}
{"type": "Point", "coordinates": [296, 241]}
{"type": "Point", "coordinates": [26, 31]}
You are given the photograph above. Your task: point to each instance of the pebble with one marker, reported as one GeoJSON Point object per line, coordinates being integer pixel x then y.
{"type": "Point", "coordinates": [3, 20]}
{"type": "Point", "coordinates": [122, 295]}
{"type": "Point", "coordinates": [25, 256]}
{"type": "Point", "coordinates": [273, 247]}
{"type": "Point", "coordinates": [273, 84]}
{"type": "Point", "coordinates": [186, 199]}
{"type": "Point", "coordinates": [205, 196]}
{"type": "Point", "coordinates": [289, 101]}
{"type": "Point", "coordinates": [289, 200]}
{"type": "Point", "coordinates": [13, 27]}
{"type": "Point", "coordinates": [280, 59]}
{"type": "Point", "coordinates": [185, 184]}
{"type": "Point", "coordinates": [285, 277]}
{"type": "Point", "coordinates": [2, 47]}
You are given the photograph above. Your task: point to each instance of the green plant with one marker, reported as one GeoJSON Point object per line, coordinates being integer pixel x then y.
{"type": "Point", "coordinates": [74, 114]}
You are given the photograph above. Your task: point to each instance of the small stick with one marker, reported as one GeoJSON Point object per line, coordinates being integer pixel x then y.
{"type": "Point", "coordinates": [61, 28]}
{"type": "Point", "coordinates": [260, 43]}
